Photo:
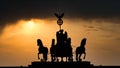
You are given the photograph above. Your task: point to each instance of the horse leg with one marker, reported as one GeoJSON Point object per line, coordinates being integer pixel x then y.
{"type": "Point", "coordinates": [52, 57]}
{"type": "Point", "coordinates": [70, 58]}
{"type": "Point", "coordinates": [55, 58]}
{"type": "Point", "coordinates": [38, 56]}
{"type": "Point", "coordinates": [61, 59]}
{"type": "Point", "coordinates": [80, 57]}
{"type": "Point", "coordinates": [84, 55]}
{"type": "Point", "coordinates": [45, 57]}
{"type": "Point", "coordinates": [76, 56]}
{"type": "Point", "coordinates": [67, 58]}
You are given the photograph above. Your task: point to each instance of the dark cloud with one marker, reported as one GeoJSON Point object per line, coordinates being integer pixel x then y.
{"type": "Point", "coordinates": [13, 10]}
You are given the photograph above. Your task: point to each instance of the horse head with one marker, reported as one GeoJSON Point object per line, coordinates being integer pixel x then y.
{"type": "Point", "coordinates": [83, 42]}
{"type": "Point", "coordinates": [39, 43]}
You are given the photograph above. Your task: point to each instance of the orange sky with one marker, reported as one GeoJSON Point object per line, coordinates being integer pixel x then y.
{"type": "Point", "coordinates": [18, 41]}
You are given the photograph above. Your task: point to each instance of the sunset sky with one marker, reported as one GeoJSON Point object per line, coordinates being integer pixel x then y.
{"type": "Point", "coordinates": [22, 22]}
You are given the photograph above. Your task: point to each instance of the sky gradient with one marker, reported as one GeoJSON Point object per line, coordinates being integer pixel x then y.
{"type": "Point", "coordinates": [22, 22]}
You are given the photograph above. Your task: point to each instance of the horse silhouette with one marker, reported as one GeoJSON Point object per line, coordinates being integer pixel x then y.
{"type": "Point", "coordinates": [81, 50]}
{"type": "Point", "coordinates": [53, 51]}
{"type": "Point", "coordinates": [42, 50]}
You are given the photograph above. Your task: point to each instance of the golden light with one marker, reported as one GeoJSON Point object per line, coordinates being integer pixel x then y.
{"type": "Point", "coordinates": [29, 24]}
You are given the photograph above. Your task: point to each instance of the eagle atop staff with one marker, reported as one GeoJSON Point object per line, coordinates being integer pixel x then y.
{"type": "Point", "coordinates": [59, 15]}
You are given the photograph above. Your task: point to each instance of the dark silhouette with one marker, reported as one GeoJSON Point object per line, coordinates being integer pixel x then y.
{"type": "Point", "coordinates": [81, 50]}
{"type": "Point", "coordinates": [69, 49]}
{"type": "Point", "coordinates": [53, 51]}
{"type": "Point", "coordinates": [42, 50]}
{"type": "Point", "coordinates": [59, 21]}
{"type": "Point", "coordinates": [59, 15]}
{"type": "Point", "coordinates": [62, 48]}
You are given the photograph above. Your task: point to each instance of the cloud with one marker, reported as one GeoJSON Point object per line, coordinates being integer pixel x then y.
{"type": "Point", "coordinates": [13, 10]}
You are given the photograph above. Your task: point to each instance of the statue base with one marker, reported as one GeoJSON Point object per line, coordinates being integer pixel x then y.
{"type": "Point", "coordinates": [83, 64]}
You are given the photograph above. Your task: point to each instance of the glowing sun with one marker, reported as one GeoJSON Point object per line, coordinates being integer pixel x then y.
{"type": "Point", "coordinates": [30, 24]}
